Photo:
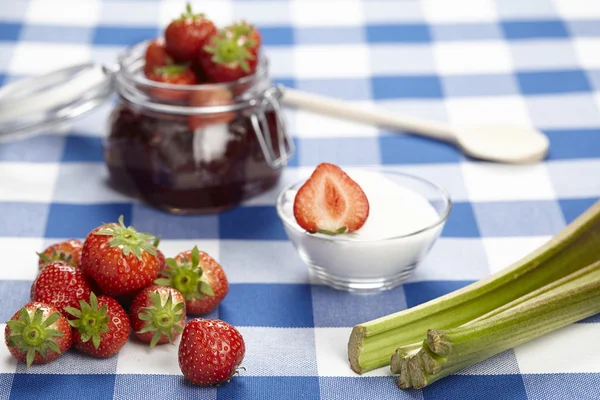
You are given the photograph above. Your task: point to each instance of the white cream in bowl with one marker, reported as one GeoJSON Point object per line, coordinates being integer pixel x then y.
{"type": "Point", "coordinates": [401, 228]}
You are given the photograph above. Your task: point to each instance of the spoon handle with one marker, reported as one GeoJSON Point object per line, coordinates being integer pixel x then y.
{"type": "Point", "coordinates": [341, 109]}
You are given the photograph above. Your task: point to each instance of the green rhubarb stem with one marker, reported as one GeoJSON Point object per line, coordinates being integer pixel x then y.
{"type": "Point", "coordinates": [372, 344]}
{"type": "Point", "coordinates": [544, 313]}
{"type": "Point", "coordinates": [569, 281]}
{"type": "Point", "coordinates": [401, 353]}
{"type": "Point", "coordinates": [458, 348]}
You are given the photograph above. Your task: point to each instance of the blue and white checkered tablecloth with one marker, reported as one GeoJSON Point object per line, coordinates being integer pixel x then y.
{"type": "Point", "coordinates": [533, 62]}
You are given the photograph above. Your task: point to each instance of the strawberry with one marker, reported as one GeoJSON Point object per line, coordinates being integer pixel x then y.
{"type": "Point", "coordinates": [68, 251]}
{"type": "Point", "coordinates": [100, 327]}
{"type": "Point", "coordinates": [330, 202]}
{"type": "Point", "coordinates": [209, 97]}
{"type": "Point", "coordinates": [210, 351]}
{"type": "Point", "coordinates": [187, 35]}
{"type": "Point", "coordinates": [199, 278]}
{"type": "Point", "coordinates": [38, 333]}
{"type": "Point", "coordinates": [228, 57]}
{"type": "Point", "coordinates": [174, 74]}
{"type": "Point", "coordinates": [158, 314]}
{"type": "Point", "coordinates": [60, 285]}
{"type": "Point", "coordinates": [247, 32]}
{"type": "Point", "coordinates": [119, 259]}
{"type": "Point", "coordinates": [156, 56]}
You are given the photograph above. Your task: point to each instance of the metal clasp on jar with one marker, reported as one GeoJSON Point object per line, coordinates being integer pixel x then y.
{"type": "Point", "coordinates": [285, 144]}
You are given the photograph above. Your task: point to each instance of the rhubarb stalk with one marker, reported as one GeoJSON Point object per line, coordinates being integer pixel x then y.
{"type": "Point", "coordinates": [372, 344]}
{"type": "Point", "coordinates": [446, 351]}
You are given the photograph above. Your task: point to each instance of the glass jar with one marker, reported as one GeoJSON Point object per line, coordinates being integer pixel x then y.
{"type": "Point", "coordinates": [194, 149]}
{"type": "Point", "coordinates": [183, 149]}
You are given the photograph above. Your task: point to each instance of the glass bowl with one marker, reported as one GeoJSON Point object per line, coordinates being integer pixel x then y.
{"type": "Point", "coordinates": [352, 263]}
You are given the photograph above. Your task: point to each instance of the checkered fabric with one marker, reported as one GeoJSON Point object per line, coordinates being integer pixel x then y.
{"type": "Point", "coordinates": [533, 62]}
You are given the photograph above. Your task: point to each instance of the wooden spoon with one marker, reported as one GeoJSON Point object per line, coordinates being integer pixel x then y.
{"type": "Point", "coordinates": [499, 143]}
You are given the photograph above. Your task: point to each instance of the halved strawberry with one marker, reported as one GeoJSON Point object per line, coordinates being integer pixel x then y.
{"type": "Point", "coordinates": [330, 202]}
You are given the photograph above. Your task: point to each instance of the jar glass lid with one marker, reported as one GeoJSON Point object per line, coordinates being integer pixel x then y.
{"type": "Point", "coordinates": [30, 106]}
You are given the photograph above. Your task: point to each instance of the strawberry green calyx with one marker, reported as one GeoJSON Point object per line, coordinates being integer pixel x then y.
{"type": "Point", "coordinates": [162, 318]}
{"type": "Point", "coordinates": [185, 277]}
{"type": "Point", "coordinates": [57, 256]}
{"type": "Point", "coordinates": [130, 240]}
{"type": "Point", "coordinates": [242, 29]}
{"type": "Point", "coordinates": [171, 69]}
{"type": "Point", "coordinates": [188, 14]}
{"type": "Point", "coordinates": [227, 49]}
{"type": "Point", "coordinates": [339, 231]}
{"type": "Point", "coordinates": [89, 320]}
{"type": "Point", "coordinates": [33, 334]}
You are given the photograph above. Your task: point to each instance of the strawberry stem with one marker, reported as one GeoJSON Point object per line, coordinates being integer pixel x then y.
{"type": "Point", "coordinates": [171, 69]}
{"type": "Point", "coordinates": [227, 49]}
{"type": "Point", "coordinates": [57, 256]}
{"type": "Point", "coordinates": [185, 276]}
{"type": "Point", "coordinates": [162, 318]}
{"type": "Point", "coordinates": [188, 14]}
{"type": "Point", "coordinates": [130, 240]}
{"type": "Point", "coordinates": [242, 29]}
{"type": "Point", "coordinates": [31, 335]}
{"type": "Point", "coordinates": [339, 231]}
{"type": "Point", "coordinates": [89, 320]}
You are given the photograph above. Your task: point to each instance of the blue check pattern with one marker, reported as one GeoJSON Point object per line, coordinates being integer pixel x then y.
{"type": "Point", "coordinates": [535, 63]}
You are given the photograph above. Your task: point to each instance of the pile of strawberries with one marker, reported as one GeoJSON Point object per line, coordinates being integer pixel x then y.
{"type": "Point", "coordinates": [92, 295]}
{"type": "Point", "coordinates": [194, 51]}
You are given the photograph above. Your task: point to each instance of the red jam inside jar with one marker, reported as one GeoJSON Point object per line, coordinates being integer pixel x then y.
{"type": "Point", "coordinates": [194, 149]}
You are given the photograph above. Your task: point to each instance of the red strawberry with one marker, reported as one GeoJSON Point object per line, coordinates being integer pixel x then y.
{"type": "Point", "coordinates": [68, 251]}
{"type": "Point", "coordinates": [210, 351]}
{"type": "Point", "coordinates": [38, 333]}
{"type": "Point", "coordinates": [100, 327]}
{"type": "Point", "coordinates": [158, 314]}
{"type": "Point", "coordinates": [199, 278]}
{"type": "Point", "coordinates": [119, 259]}
{"type": "Point", "coordinates": [60, 285]}
{"type": "Point", "coordinates": [330, 202]}
{"type": "Point", "coordinates": [228, 58]}
{"type": "Point", "coordinates": [186, 35]}
{"type": "Point", "coordinates": [208, 97]}
{"type": "Point", "coordinates": [156, 56]}
{"type": "Point", "coordinates": [174, 74]}
{"type": "Point", "coordinates": [248, 32]}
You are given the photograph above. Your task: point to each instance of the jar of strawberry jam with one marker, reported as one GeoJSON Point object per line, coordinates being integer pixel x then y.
{"type": "Point", "coordinates": [180, 148]}
{"type": "Point", "coordinates": [194, 148]}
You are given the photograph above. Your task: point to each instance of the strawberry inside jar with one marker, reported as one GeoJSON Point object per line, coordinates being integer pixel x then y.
{"type": "Point", "coordinates": [186, 145]}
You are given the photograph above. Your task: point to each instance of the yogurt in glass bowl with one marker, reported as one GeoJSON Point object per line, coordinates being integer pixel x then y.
{"type": "Point", "coordinates": [406, 216]}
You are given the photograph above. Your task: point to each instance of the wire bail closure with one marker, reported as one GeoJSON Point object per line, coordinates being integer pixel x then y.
{"type": "Point", "coordinates": [276, 157]}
